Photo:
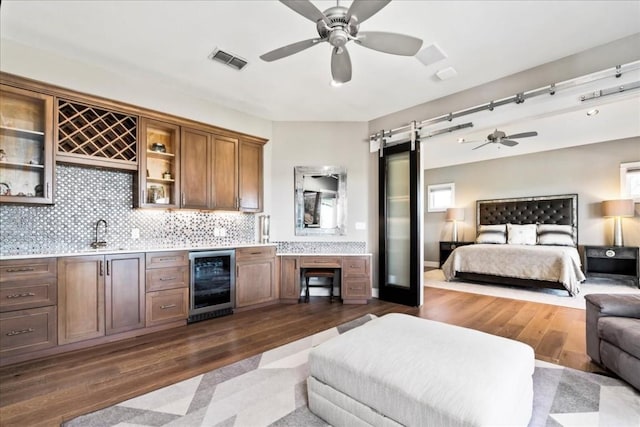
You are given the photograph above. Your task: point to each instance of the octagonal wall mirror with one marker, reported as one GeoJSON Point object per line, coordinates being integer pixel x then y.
{"type": "Point", "coordinates": [320, 200]}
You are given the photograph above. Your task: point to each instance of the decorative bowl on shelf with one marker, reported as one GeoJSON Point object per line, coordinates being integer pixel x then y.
{"type": "Point", "coordinates": [158, 147]}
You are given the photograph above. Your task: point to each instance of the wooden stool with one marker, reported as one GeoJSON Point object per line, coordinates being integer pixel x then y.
{"type": "Point", "coordinates": [325, 272]}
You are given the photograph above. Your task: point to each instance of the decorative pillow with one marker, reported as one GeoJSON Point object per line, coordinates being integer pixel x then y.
{"type": "Point", "coordinates": [554, 234]}
{"type": "Point", "coordinates": [492, 234]}
{"type": "Point", "coordinates": [525, 234]}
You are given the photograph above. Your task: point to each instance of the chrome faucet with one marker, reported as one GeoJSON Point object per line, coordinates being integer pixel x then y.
{"type": "Point", "coordinates": [100, 243]}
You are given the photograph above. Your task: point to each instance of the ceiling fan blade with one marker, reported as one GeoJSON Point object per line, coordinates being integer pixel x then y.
{"type": "Point", "coordinates": [508, 142]}
{"type": "Point", "coordinates": [365, 9]}
{"type": "Point", "coordinates": [306, 9]}
{"type": "Point", "coordinates": [523, 135]}
{"type": "Point", "coordinates": [396, 44]}
{"type": "Point", "coordinates": [488, 142]}
{"type": "Point", "coordinates": [290, 49]}
{"type": "Point", "coordinates": [340, 65]}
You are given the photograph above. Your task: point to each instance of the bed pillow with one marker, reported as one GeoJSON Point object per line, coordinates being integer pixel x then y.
{"type": "Point", "coordinates": [526, 234]}
{"type": "Point", "coordinates": [554, 234]}
{"type": "Point", "coordinates": [492, 234]}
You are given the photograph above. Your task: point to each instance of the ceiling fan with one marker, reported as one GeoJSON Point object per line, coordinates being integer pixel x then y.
{"type": "Point", "coordinates": [338, 26]}
{"type": "Point", "coordinates": [499, 137]}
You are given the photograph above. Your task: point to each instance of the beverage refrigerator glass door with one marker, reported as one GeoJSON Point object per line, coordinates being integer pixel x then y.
{"type": "Point", "coordinates": [212, 284]}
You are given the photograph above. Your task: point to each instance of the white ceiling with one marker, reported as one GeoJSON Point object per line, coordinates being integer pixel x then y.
{"type": "Point", "coordinates": [169, 41]}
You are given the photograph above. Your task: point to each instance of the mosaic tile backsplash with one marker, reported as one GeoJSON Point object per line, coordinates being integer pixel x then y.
{"type": "Point", "coordinates": [321, 247]}
{"type": "Point", "coordinates": [84, 195]}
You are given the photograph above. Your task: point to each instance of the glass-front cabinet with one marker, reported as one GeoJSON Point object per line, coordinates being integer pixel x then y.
{"type": "Point", "coordinates": [159, 165]}
{"type": "Point", "coordinates": [26, 146]}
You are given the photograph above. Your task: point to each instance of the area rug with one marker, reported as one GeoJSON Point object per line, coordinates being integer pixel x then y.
{"type": "Point", "coordinates": [270, 390]}
{"type": "Point", "coordinates": [435, 279]}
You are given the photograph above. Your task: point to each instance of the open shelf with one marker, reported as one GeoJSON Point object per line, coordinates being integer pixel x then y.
{"type": "Point", "coordinates": [21, 165]}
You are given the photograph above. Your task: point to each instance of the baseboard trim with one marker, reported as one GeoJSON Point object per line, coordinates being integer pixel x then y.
{"type": "Point", "coordinates": [434, 264]}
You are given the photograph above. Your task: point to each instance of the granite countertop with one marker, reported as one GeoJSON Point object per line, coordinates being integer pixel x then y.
{"type": "Point", "coordinates": [108, 251]}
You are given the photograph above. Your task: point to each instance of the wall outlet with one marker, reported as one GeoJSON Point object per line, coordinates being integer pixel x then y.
{"type": "Point", "coordinates": [135, 233]}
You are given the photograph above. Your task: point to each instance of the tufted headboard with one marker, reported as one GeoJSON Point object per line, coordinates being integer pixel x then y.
{"type": "Point", "coordinates": [561, 210]}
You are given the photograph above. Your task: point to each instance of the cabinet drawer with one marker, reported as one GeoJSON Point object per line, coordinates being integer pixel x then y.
{"type": "Point", "coordinates": [320, 261]}
{"type": "Point", "coordinates": [167, 259]}
{"type": "Point", "coordinates": [167, 306]}
{"type": "Point", "coordinates": [356, 288]}
{"type": "Point", "coordinates": [355, 267]}
{"type": "Point", "coordinates": [167, 278]}
{"type": "Point", "coordinates": [27, 330]}
{"type": "Point", "coordinates": [19, 269]}
{"type": "Point", "coordinates": [23, 294]}
{"type": "Point", "coordinates": [256, 252]}
{"type": "Point", "coordinates": [612, 252]}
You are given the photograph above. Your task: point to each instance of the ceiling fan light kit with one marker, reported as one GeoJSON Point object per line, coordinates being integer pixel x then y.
{"type": "Point", "coordinates": [338, 26]}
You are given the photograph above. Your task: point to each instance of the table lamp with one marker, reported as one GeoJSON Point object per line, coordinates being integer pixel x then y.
{"type": "Point", "coordinates": [617, 209]}
{"type": "Point", "coordinates": [455, 215]}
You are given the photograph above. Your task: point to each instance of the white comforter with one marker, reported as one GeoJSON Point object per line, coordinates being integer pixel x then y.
{"type": "Point", "coordinates": [551, 263]}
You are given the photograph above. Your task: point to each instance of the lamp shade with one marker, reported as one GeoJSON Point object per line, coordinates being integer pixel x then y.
{"type": "Point", "coordinates": [455, 214]}
{"type": "Point", "coordinates": [618, 207]}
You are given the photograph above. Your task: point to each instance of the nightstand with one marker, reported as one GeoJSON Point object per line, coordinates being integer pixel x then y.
{"type": "Point", "coordinates": [447, 247]}
{"type": "Point", "coordinates": [615, 262]}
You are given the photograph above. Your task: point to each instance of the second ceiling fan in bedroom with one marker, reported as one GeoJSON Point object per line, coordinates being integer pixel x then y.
{"type": "Point", "coordinates": [499, 137]}
{"type": "Point", "coordinates": [338, 26]}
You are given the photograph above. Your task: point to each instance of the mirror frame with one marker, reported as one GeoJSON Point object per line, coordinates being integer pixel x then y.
{"type": "Point", "coordinates": [299, 173]}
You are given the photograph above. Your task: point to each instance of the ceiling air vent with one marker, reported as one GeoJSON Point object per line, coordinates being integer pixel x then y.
{"type": "Point", "coordinates": [229, 59]}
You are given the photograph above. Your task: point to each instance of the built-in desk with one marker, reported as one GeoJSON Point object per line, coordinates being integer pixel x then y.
{"type": "Point", "coordinates": [355, 275]}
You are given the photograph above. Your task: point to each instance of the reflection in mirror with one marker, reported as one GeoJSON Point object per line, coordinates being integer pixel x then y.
{"type": "Point", "coordinates": [320, 200]}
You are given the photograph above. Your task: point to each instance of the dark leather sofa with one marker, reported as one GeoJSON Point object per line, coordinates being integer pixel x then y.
{"type": "Point", "coordinates": [613, 334]}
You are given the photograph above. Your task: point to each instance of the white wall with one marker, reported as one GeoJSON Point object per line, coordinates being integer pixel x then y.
{"type": "Point", "coordinates": [319, 144]}
{"type": "Point", "coordinates": [591, 171]}
{"type": "Point", "coordinates": [149, 93]}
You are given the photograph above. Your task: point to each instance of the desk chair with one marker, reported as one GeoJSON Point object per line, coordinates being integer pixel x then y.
{"type": "Point", "coordinates": [319, 272]}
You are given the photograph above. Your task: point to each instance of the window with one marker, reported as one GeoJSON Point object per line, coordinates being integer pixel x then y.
{"type": "Point", "coordinates": [440, 197]}
{"type": "Point", "coordinates": [630, 181]}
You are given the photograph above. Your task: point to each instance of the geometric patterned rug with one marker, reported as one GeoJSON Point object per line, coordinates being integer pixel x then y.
{"type": "Point", "coordinates": [269, 389]}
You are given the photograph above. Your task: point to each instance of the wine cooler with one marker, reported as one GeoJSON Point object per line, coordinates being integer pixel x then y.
{"type": "Point", "coordinates": [212, 285]}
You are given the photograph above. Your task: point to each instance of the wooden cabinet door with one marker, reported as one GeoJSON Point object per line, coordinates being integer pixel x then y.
{"type": "Point", "coordinates": [195, 160]}
{"type": "Point", "coordinates": [250, 176]}
{"type": "Point", "coordinates": [356, 279]}
{"type": "Point", "coordinates": [80, 298]}
{"type": "Point", "coordinates": [26, 137]}
{"type": "Point", "coordinates": [225, 173]}
{"type": "Point", "coordinates": [124, 292]}
{"type": "Point", "coordinates": [167, 306]}
{"type": "Point", "coordinates": [289, 278]}
{"type": "Point", "coordinates": [255, 282]}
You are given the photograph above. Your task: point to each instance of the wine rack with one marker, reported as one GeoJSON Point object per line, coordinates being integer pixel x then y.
{"type": "Point", "coordinates": [96, 136]}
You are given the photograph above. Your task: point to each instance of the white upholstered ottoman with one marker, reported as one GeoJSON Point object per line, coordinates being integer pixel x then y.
{"type": "Point", "coordinates": [403, 370]}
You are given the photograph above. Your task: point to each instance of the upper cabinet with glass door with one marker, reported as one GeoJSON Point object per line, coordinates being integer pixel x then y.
{"type": "Point", "coordinates": [159, 164]}
{"type": "Point", "coordinates": [26, 146]}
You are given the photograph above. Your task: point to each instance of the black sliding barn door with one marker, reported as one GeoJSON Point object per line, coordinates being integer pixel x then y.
{"type": "Point", "coordinates": [400, 220]}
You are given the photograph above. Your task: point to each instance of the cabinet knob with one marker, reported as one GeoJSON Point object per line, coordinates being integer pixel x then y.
{"type": "Point", "coordinates": [610, 253]}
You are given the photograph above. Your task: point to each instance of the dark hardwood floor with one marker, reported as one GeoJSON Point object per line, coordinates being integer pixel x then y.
{"type": "Point", "coordinates": [51, 390]}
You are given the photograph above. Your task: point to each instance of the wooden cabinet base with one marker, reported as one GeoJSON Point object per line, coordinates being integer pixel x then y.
{"type": "Point", "coordinates": [11, 359]}
{"type": "Point", "coordinates": [27, 330]}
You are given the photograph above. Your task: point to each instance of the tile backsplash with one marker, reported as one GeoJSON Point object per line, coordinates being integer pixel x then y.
{"type": "Point", "coordinates": [339, 247]}
{"type": "Point", "coordinates": [85, 195]}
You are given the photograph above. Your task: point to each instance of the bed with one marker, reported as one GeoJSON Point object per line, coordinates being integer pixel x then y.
{"type": "Point", "coordinates": [527, 241]}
